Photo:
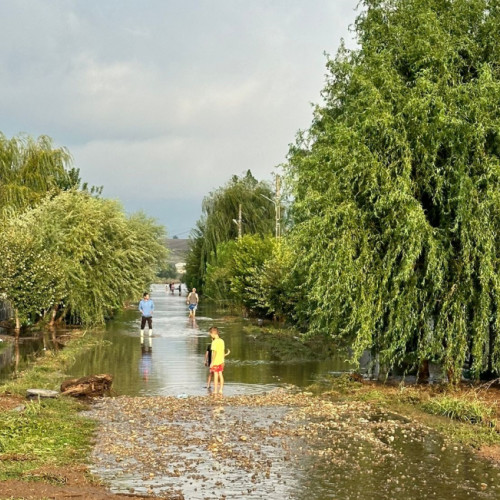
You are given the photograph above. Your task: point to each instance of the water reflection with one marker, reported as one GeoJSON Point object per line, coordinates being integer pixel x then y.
{"type": "Point", "coordinates": [146, 363]}
{"type": "Point", "coordinates": [18, 350]}
{"type": "Point", "coordinates": [176, 365]}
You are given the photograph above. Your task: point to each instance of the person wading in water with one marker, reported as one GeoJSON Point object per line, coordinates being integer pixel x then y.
{"type": "Point", "coordinates": [192, 301]}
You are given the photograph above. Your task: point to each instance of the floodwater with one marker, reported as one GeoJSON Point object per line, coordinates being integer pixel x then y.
{"type": "Point", "coordinates": [171, 361]}
{"type": "Point", "coordinates": [295, 445]}
{"type": "Point", "coordinates": [16, 354]}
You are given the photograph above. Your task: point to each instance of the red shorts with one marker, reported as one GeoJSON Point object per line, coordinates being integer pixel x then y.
{"type": "Point", "coordinates": [217, 368]}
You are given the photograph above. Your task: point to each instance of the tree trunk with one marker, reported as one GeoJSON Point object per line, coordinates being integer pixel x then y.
{"type": "Point", "coordinates": [91, 386]}
{"type": "Point", "coordinates": [423, 372]}
{"type": "Point", "coordinates": [18, 322]}
{"type": "Point", "coordinates": [53, 317]}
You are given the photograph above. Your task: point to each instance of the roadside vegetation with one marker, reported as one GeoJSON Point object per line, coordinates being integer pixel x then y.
{"type": "Point", "coordinates": [464, 414]}
{"type": "Point", "coordinates": [67, 253]}
{"type": "Point", "coordinates": [393, 214]}
{"type": "Point", "coordinates": [47, 433]}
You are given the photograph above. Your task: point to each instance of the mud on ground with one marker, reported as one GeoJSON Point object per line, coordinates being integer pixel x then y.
{"type": "Point", "coordinates": [283, 444]}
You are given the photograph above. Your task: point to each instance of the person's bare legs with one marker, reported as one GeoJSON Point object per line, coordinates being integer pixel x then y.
{"type": "Point", "coordinates": [221, 382]}
{"type": "Point", "coordinates": [216, 381]}
{"type": "Point", "coordinates": [209, 379]}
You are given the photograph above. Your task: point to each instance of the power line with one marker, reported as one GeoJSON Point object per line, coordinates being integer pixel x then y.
{"type": "Point", "coordinates": [181, 232]}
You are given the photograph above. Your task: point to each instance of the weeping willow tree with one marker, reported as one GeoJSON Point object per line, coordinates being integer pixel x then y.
{"type": "Point", "coordinates": [397, 187]}
{"type": "Point", "coordinates": [63, 249]}
{"type": "Point", "coordinates": [77, 256]}
{"type": "Point", "coordinates": [219, 221]}
{"type": "Point", "coordinates": [29, 169]}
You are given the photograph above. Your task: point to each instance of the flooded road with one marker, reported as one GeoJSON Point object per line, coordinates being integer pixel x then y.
{"type": "Point", "coordinates": [171, 362]}
{"type": "Point", "coordinates": [267, 437]}
{"type": "Point", "coordinates": [284, 444]}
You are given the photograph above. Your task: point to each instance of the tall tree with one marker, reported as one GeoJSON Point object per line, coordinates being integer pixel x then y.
{"type": "Point", "coordinates": [79, 254]}
{"type": "Point", "coordinates": [397, 186]}
{"type": "Point", "coordinates": [219, 221]}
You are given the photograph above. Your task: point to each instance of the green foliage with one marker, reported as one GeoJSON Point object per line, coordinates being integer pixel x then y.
{"type": "Point", "coordinates": [216, 226]}
{"type": "Point", "coordinates": [101, 257]}
{"type": "Point", "coordinates": [32, 168]}
{"type": "Point", "coordinates": [31, 274]}
{"type": "Point", "coordinates": [234, 270]}
{"type": "Point", "coordinates": [29, 169]}
{"type": "Point", "coordinates": [79, 253]}
{"type": "Point", "coordinates": [276, 290]}
{"type": "Point", "coordinates": [396, 187]}
{"type": "Point", "coordinates": [471, 411]}
{"type": "Point", "coordinates": [62, 247]}
{"type": "Point", "coordinates": [168, 272]}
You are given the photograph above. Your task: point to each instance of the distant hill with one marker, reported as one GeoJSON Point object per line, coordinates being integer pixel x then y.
{"type": "Point", "coordinates": [178, 249]}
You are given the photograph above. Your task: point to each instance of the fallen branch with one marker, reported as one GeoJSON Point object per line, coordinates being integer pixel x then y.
{"type": "Point", "coordinates": [89, 387]}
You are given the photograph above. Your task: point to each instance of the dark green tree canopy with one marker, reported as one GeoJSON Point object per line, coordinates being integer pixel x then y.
{"type": "Point", "coordinates": [397, 187]}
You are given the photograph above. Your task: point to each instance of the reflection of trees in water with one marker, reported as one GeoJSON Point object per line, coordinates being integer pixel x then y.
{"type": "Point", "coordinates": [119, 355]}
{"type": "Point", "coordinates": [10, 357]}
{"type": "Point", "coordinates": [6, 356]}
{"type": "Point", "coordinates": [50, 341]}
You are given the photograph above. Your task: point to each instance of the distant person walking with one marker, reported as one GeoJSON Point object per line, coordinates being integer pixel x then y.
{"type": "Point", "coordinates": [192, 301]}
{"type": "Point", "coordinates": [180, 289]}
{"type": "Point", "coordinates": [146, 306]}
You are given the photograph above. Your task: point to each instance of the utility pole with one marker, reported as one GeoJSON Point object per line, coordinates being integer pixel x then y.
{"type": "Point", "coordinates": [277, 207]}
{"type": "Point", "coordinates": [238, 222]}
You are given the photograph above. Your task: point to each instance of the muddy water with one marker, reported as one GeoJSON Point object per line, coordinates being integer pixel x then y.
{"type": "Point", "coordinates": [16, 354]}
{"type": "Point", "coordinates": [283, 444]}
{"type": "Point", "coordinates": [171, 361]}
{"type": "Point", "coordinates": [262, 440]}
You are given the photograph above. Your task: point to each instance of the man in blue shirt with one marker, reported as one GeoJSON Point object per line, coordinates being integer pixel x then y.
{"type": "Point", "coordinates": [146, 306]}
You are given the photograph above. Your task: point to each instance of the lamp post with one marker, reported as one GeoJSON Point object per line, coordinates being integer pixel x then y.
{"type": "Point", "coordinates": [277, 212]}
{"type": "Point", "coordinates": [238, 222]}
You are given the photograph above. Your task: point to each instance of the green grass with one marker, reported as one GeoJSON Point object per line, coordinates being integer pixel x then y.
{"type": "Point", "coordinates": [461, 418]}
{"type": "Point", "coordinates": [50, 432]}
{"type": "Point", "coordinates": [470, 411]}
{"type": "Point", "coordinates": [467, 434]}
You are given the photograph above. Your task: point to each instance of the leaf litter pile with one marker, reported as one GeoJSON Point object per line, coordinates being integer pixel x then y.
{"type": "Point", "coordinates": [283, 444]}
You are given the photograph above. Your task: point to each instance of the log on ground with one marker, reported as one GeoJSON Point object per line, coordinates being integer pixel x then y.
{"type": "Point", "coordinates": [91, 386]}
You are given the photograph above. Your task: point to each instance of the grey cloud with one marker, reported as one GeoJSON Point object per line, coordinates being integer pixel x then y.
{"type": "Point", "coordinates": [185, 93]}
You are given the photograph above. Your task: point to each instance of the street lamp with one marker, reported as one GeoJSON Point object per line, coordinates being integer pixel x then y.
{"type": "Point", "coordinates": [277, 210]}
{"type": "Point", "coordinates": [238, 222]}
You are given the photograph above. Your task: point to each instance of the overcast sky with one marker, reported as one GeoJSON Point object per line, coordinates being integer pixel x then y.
{"type": "Point", "coordinates": [162, 101]}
